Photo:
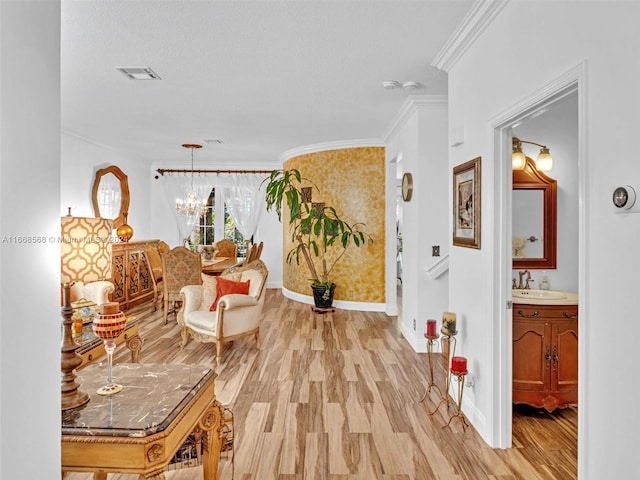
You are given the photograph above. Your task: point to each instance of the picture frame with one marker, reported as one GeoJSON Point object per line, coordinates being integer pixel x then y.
{"type": "Point", "coordinates": [466, 204]}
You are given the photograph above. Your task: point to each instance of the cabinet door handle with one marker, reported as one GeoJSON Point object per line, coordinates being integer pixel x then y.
{"type": "Point", "coordinates": [568, 315]}
{"type": "Point", "coordinates": [547, 357]}
{"type": "Point", "coordinates": [555, 357]}
{"type": "Point", "coordinates": [533, 315]}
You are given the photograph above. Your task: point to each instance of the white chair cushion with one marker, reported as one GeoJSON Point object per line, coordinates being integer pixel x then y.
{"type": "Point", "coordinates": [256, 281]}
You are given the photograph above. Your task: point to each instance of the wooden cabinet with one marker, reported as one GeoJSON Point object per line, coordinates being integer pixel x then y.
{"type": "Point", "coordinates": [545, 355]}
{"type": "Point", "coordinates": [131, 274]}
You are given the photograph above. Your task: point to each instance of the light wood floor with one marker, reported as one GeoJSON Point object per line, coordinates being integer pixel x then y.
{"type": "Point", "coordinates": [336, 397]}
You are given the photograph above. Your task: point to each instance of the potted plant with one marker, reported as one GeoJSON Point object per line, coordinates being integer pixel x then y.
{"type": "Point", "coordinates": [316, 230]}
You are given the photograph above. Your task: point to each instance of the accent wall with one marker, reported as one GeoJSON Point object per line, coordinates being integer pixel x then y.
{"type": "Point", "coordinates": [352, 180]}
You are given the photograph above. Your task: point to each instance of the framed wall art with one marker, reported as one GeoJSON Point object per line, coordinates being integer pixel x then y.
{"type": "Point", "coordinates": [466, 204]}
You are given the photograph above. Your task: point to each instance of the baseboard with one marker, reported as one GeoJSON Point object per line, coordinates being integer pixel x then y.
{"type": "Point", "coordinates": [359, 306]}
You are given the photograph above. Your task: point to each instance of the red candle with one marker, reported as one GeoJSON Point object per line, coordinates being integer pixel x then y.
{"type": "Point", "coordinates": [458, 364]}
{"type": "Point", "coordinates": [431, 328]}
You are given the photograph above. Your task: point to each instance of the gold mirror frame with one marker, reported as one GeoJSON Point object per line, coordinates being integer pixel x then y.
{"type": "Point", "coordinates": [532, 179]}
{"type": "Point", "coordinates": [124, 192]}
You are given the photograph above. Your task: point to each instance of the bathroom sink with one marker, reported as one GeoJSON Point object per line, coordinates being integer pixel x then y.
{"type": "Point", "coordinates": [538, 294]}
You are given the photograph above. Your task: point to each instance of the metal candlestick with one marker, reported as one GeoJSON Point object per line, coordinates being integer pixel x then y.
{"type": "Point", "coordinates": [451, 339]}
{"type": "Point", "coordinates": [431, 340]}
{"type": "Point", "coordinates": [459, 414]}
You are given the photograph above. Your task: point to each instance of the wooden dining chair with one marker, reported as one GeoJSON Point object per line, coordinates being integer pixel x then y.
{"type": "Point", "coordinates": [226, 248]}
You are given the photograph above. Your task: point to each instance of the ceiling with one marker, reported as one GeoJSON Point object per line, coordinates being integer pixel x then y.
{"type": "Point", "coordinates": [263, 77]}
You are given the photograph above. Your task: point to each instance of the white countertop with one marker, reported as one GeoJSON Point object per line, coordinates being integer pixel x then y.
{"type": "Point", "coordinates": [570, 298]}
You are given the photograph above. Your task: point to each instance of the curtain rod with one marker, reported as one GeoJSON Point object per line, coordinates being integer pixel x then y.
{"type": "Point", "coordinates": [162, 171]}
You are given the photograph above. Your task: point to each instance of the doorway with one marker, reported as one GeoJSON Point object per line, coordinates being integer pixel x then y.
{"type": "Point", "coordinates": [571, 82]}
{"type": "Point", "coordinates": [556, 126]}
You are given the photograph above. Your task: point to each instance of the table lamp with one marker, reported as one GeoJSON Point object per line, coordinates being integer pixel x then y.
{"type": "Point", "coordinates": [85, 255]}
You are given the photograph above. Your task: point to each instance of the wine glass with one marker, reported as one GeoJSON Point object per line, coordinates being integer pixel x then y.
{"type": "Point", "coordinates": [108, 326]}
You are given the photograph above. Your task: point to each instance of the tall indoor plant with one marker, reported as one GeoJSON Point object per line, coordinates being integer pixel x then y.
{"type": "Point", "coordinates": [316, 230]}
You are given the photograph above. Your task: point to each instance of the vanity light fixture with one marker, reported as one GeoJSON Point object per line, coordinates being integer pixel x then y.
{"type": "Point", "coordinates": [544, 162]}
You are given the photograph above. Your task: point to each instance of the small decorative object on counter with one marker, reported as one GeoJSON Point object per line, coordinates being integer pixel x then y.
{"type": "Point", "coordinates": [544, 282]}
{"type": "Point", "coordinates": [448, 324]}
{"type": "Point", "coordinates": [125, 231]}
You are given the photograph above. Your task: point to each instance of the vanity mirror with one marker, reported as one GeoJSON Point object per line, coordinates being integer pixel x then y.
{"type": "Point", "coordinates": [110, 195]}
{"type": "Point", "coordinates": [534, 218]}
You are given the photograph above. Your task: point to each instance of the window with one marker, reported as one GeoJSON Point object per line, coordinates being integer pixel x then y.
{"type": "Point", "coordinates": [207, 231]}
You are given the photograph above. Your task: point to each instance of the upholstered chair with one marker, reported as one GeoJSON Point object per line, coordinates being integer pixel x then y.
{"type": "Point", "coordinates": [236, 314]}
{"type": "Point", "coordinates": [96, 292]}
{"type": "Point", "coordinates": [180, 267]}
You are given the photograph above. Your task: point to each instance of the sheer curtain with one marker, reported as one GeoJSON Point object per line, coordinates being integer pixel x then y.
{"type": "Point", "coordinates": [177, 188]}
{"type": "Point", "coordinates": [245, 201]}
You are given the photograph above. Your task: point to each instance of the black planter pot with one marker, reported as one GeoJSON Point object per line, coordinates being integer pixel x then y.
{"type": "Point", "coordinates": [318, 294]}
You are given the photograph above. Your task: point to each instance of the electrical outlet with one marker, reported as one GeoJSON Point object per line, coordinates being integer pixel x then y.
{"type": "Point", "coordinates": [414, 324]}
{"type": "Point", "coordinates": [435, 251]}
{"type": "Point", "coordinates": [469, 381]}
{"type": "Point", "coordinates": [350, 293]}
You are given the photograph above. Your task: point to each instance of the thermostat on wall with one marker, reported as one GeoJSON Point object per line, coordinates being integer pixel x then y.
{"type": "Point", "coordinates": [624, 199]}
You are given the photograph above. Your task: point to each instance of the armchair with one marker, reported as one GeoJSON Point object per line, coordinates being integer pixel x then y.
{"type": "Point", "coordinates": [237, 315]}
{"type": "Point", "coordinates": [96, 292]}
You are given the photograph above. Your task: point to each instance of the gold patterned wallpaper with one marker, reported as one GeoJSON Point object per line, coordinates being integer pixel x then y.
{"type": "Point", "coordinates": [351, 180]}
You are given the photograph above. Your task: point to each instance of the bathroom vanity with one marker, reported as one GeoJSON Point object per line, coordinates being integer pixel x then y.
{"type": "Point", "coordinates": [545, 348]}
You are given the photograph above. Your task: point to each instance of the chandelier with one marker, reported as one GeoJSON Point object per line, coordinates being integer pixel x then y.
{"type": "Point", "coordinates": [190, 205]}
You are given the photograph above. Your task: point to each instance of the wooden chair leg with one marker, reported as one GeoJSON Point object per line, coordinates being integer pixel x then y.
{"type": "Point", "coordinates": [166, 309]}
{"type": "Point", "coordinates": [218, 352]}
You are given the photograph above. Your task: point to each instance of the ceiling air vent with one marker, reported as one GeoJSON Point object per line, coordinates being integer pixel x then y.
{"type": "Point", "coordinates": [139, 73]}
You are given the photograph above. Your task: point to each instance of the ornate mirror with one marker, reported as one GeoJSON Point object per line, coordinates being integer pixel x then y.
{"type": "Point", "coordinates": [110, 195]}
{"type": "Point", "coordinates": [534, 212]}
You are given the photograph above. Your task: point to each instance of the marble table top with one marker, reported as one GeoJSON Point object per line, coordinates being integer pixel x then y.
{"type": "Point", "coordinates": [153, 395]}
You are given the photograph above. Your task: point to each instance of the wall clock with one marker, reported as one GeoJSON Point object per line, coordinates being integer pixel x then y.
{"type": "Point", "coordinates": [407, 186]}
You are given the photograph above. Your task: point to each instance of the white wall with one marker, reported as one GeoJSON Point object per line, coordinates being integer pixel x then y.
{"type": "Point", "coordinates": [420, 140]}
{"type": "Point", "coordinates": [81, 159]}
{"type": "Point", "coordinates": [29, 208]}
{"type": "Point", "coordinates": [505, 65]}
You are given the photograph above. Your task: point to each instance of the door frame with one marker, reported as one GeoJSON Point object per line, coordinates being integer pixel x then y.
{"type": "Point", "coordinates": [574, 80]}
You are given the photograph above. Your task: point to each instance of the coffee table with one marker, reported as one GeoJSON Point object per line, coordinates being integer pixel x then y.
{"type": "Point", "coordinates": [139, 430]}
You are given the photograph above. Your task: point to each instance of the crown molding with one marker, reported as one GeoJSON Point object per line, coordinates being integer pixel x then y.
{"type": "Point", "coordinates": [323, 147]}
{"type": "Point", "coordinates": [409, 107]}
{"type": "Point", "coordinates": [473, 24]}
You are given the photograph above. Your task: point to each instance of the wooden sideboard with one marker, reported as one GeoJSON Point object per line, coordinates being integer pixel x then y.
{"type": "Point", "coordinates": [131, 274]}
{"type": "Point", "coordinates": [545, 355]}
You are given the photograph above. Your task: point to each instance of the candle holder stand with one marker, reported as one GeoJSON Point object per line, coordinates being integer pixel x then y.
{"type": "Point", "coordinates": [459, 414]}
{"type": "Point", "coordinates": [431, 340]}
{"type": "Point", "coordinates": [451, 339]}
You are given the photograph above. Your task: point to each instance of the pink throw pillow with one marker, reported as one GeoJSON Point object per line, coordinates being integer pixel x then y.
{"type": "Point", "coordinates": [225, 287]}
